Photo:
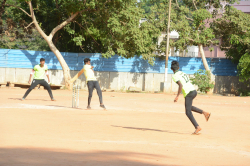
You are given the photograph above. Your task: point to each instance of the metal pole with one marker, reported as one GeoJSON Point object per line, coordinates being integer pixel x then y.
{"type": "Point", "coordinates": [167, 45]}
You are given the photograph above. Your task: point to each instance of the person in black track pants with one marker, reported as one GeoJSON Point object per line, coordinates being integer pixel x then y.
{"type": "Point", "coordinates": [39, 71]}
{"type": "Point", "coordinates": [189, 93]}
{"type": "Point", "coordinates": [92, 83]}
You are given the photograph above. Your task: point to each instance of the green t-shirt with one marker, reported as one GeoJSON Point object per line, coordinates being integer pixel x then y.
{"type": "Point", "coordinates": [40, 72]}
{"type": "Point", "coordinates": [187, 86]}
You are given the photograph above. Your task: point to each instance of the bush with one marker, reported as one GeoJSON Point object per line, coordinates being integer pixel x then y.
{"type": "Point", "coordinates": [202, 79]}
{"type": "Point", "coordinates": [243, 92]}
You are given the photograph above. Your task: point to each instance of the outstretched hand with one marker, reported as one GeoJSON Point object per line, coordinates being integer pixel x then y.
{"type": "Point", "coordinates": [176, 99]}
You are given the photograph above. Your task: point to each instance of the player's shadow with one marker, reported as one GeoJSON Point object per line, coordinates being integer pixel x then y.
{"type": "Point", "coordinates": [15, 99]}
{"type": "Point", "coordinates": [147, 129]}
{"type": "Point", "coordinates": [27, 99]}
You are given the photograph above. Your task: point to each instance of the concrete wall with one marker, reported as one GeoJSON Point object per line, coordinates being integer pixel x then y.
{"type": "Point", "coordinates": [149, 82]}
{"type": "Point", "coordinates": [229, 84]}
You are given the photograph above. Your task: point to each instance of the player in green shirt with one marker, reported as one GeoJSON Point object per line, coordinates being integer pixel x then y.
{"type": "Point", "coordinates": [189, 93]}
{"type": "Point", "coordinates": [39, 71]}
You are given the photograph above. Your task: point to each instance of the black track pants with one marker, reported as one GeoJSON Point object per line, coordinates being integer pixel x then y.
{"type": "Point", "coordinates": [91, 86]}
{"type": "Point", "coordinates": [35, 83]}
{"type": "Point", "coordinates": [188, 105]}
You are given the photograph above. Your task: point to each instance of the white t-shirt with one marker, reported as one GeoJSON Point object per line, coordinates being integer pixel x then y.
{"type": "Point", "coordinates": [187, 86]}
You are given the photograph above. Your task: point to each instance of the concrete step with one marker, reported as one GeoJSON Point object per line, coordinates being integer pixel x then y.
{"type": "Point", "coordinates": [26, 85]}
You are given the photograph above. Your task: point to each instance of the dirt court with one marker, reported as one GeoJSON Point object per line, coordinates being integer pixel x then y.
{"type": "Point", "coordinates": [136, 130]}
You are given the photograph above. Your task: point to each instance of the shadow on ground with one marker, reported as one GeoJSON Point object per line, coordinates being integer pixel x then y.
{"type": "Point", "coordinates": [147, 129]}
{"type": "Point", "coordinates": [47, 157]}
{"type": "Point", "coordinates": [27, 99]}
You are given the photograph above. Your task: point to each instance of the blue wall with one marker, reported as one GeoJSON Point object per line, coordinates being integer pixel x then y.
{"type": "Point", "coordinates": [27, 59]}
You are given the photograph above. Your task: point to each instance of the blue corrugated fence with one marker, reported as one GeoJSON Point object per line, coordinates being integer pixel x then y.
{"type": "Point", "coordinates": [27, 59]}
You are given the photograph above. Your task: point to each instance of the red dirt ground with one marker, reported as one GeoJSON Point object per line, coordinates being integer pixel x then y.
{"type": "Point", "coordinates": [136, 130]}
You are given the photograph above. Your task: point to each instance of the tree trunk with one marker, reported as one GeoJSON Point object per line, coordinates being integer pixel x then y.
{"type": "Point", "coordinates": [204, 60]}
{"type": "Point", "coordinates": [66, 70]}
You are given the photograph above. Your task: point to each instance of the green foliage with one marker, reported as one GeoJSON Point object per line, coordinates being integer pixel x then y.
{"type": "Point", "coordinates": [78, 40]}
{"type": "Point", "coordinates": [234, 29]}
{"type": "Point", "coordinates": [199, 16]}
{"type": "Point", "coordinates": [244, 67]}
{"type": "Point", "coordinates": [107, 27]}
{"type": "Point", "coordinates": [243, 92]}
{"type": "Point", "coordinates": [146, 5]}
{"type": "Point", "coordinates": [16, 36]}
{"type": "Point", "coordinates": [190, 19]}
{"type": "Point", "coordinates": [202, 79]}
{"type": "Point", "coordinates": [113, 28]}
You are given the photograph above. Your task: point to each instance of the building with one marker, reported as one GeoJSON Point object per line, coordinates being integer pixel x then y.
{"type": "Point", "coordinates": [244, 6]}
{"type": "Point", "coordinates": [192, 51]}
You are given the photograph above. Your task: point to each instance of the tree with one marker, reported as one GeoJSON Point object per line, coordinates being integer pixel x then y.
{"type": "Point", "coordinates": [16, 36]}
{"type": "Point", "coordinates": [1, 13]}
{"type": "Point", "coordinates": [234, 30]}
{"type": "Point", "coordinates": [191, 20]}
{"type": "Point", "coordinates": [112, 25]}
{"type": "Point", "coordinates": [15, 33]}
{"type": "Point", "coordinates": [146, 5]}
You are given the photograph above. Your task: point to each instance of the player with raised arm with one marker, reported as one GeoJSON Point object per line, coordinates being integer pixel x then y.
{"type": "Point", "coordinates": [189, 93]}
